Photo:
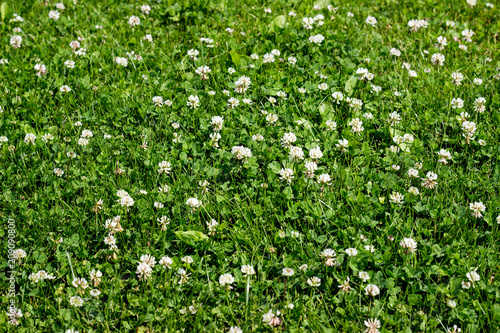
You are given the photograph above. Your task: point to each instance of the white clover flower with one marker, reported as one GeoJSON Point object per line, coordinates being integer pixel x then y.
{"type": "Point", "coordinates": [372, 325]}
{"type": "Point", "coordinates": [193, 101]}
{"type": "Point", "coordinates": [288, 139]}
{"type": "Point", "coordinates": [15, 41]}
{"type": "Point", "coordinates": [281, 94]}
{"type": "Point", "coordinates": [316, 39]}
{"type": "Point", "coordinates": [232, 103]}
{"type": "Point", "coordinates": [296, 153]}
{"type": "Point", "coordinates": [396, 198]}
{"type": "Point", "coordinates": [409, 245]}
{"type": "Point", "coordinates": [193, 53]}
{"type": "Point", "coordinates": [226, 280]}
{"type": "Point", "coordinates": [457, 103]}
{"type": "Point", "coordinates": [351, 252]}
{"type": "Point", "coordinates": [110, 240]}
{"type": "Point", "coordinates": [415, 25]}
{"type": "Point", "coordinates": [164, 167]}
{"type": "Point", "coordinates": [442, 42]}
{"type": "Point", "coordinates": [247, 270]}
{"type": "Point", "coordinates": [315, 153]}
{"type": "Point", "coordinates": [444, 156]}
{"type": "Point", "coordinates": [241, 153]}
{"type": "Point", "coordinates": [430, 180]}
{"type": "Point", "coordinates": [272, 118]}
{"type": "Point", "coordinates": [18, 255]}
{"type": "Point", "coordinates": [95, 293]}
{"type": "Point", "coordinates": [331, 125]}
{"type": "Point", "coordinates": [310, 167]}
{"type": "Point", "coordinates": [314, 281]}
{"type": "Point", "coordinates": [324, 179]}
{"type": "Point", "coordinates": [354, 103]}
{"type": "Point", "coordinates": [134, 20]}
{"type": "Point", "coordinates": [187, 259]}
{"type": "Point", "coordinates": [413, 190]}
{"type": "Point", "coordinates": [477, 209]}
{"type": "Point", "coordinates": [479, 104]}
{"type": "Point", "coordinates": [54, 15]}
{"type": "Point", "coordinates": [457, 78]}
{"type": "Point", "coordinates": [364, 276]}
{"type": "Point", "coordinates": [267, 58]}
{"type": "Point", "coordinates": [469, 129]}
{"type": "Point", "coordinates": [356, 125]}
{"type": "Point", "coordinates": [328, 253]}
{"type": "Point", "coordinates": [342, 145]}
{"type": "Point", "coordinates": [257, 137]}
{"type": "Point", "coordinates": [372, 290]}
{"type": "Point", "coordinates": [395, 52]}
{"type": "Point", "coordinates": [473, 276]}
{"type": "Point", "coordinates": [371, 21]}
{"type": "Point", "coordinates": [217, 122]}
{"type": "Point", "coordinates": [286, 175]}
{"type": "Point", "coordinates": [145, 9]}
{"type": "Point", "coordinates": [30, 138]}
{"type": "Point", "coordinates": [40, 69]}
{"type": "Point", "coordinates": [65, 89]}
{"type": "Point", "coordinates": [59, 172]}
{"type": "Point", "coordinates": [193, 203]}
{"type": "Point", "coordinates": [69, 64]}
{"type": "Point", "coordinates": [323, 86]}
{"type": "Point", "coordinates": [143, 271]}
{"type": "Point", "coordinates": [338, 96]}
{"type": "Point", "coordinates": [166, 262]}
{"type": "Point", "coordinates": [76, 301]}
{"type": "Point", "coordinates": [467, 33]}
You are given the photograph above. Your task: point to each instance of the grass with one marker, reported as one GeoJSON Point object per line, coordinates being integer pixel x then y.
{"type": "Point", "coordinates": [60, 203]}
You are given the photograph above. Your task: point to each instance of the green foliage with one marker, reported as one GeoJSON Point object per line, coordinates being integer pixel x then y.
{"type": "Point", "coordinates": [106, 177]}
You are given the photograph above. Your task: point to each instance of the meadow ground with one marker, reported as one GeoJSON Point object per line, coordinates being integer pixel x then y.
{"type": "Point", "coordinates": [249, 166]}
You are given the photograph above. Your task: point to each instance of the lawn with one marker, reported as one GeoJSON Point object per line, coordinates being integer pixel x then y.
{"type": "Point", "coordinates": [249, 166]}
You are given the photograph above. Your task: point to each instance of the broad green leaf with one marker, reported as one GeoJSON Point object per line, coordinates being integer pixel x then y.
{"type": "Point", "coordinates": [321, 239]}
{"type": "Point", "coordinates": [191, 236]}
{"type": "Point", "coordinates": [4, 10]}
{"type": "Point", "coordinates": [414, 299]}
{"type": "Point", "coordinates": [279, 22]}
{"type": "Point", "coordinates": [496, 312]}
{"type": "Point", "coordinates": [235, 57]}
{"type": "Point", "coordinates": [274, 166]}
{"type": "Point", "coordinates": [350, 84]}
{"type": "Point", "coordinates": [288, 193]}
{"type": "Point", "coordinates": [305, 123]}
{"type": "Point", "coordinates": [326, 111]}
{"type": "Point", "coordinates": [361, 198]}
{"type": "Point", "coordinates": [322, 3]}
{"type": "Point", "coordinates": [288, 260]}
